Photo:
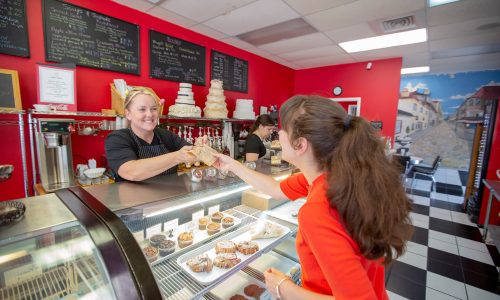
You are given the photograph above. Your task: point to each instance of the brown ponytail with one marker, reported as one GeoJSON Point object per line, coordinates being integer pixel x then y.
{"type": "Point", "coordinates": [363, 184]}
{"type": "Point", "coordinates": [264, 120]}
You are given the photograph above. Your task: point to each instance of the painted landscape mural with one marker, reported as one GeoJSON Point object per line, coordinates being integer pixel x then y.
{"type": "Point", "coordinates": [437, 115]}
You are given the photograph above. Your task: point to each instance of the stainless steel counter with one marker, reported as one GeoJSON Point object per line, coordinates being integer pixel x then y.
{"type": "Point", "coordinates": [126, 194]}
{"type": "Point", "coordinates": [43, 214]}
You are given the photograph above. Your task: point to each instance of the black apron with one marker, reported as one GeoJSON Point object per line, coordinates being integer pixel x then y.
{"type": "Point", "coordinates": [149, 151]}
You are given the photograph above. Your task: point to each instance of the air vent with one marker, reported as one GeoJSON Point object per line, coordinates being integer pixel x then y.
{"type": "Point", "coordinates": [398, 24]}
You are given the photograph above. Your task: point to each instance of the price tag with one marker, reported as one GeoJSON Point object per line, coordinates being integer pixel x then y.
{"type": "Point", "coordinates": [139, 236]}
{"type": "Point", "coordinates": [197, 215]}
{"type": "Point", "coordinates": [155, 229]}
{"type": "Point", "coordinates": [213, 209]}
{"type": "Point", "coordinates": [173, 224]}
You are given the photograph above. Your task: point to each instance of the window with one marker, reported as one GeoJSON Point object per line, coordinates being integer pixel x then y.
{"type": "Point", "coordinates": [399, 124]}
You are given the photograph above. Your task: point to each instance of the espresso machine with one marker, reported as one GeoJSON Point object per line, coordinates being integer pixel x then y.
{"type": "Point", "coordinates": [55, 163]}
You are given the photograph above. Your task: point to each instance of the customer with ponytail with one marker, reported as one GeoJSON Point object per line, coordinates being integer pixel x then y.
{"type": "Point", "coordinates": [356, 217]}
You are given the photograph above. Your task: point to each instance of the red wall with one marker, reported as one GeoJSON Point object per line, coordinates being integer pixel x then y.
{"type": "Point", "coordinates": [268, 83]}
{"type": "Point", "coordinates": [378, 87]}
{"type": "Point", "coordinates": [493, 166]}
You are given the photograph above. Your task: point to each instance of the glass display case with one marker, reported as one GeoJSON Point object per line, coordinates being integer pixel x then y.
{"type": "Point", "coordinates": [160, 228]}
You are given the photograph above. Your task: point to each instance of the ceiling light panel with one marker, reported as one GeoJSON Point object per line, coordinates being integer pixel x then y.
{"type": "Point", "coordinates": [415, 70]}
{"type": "Point", "coordinates": [256, 15]}
{"type": "Point", "coordinates": [433, 3]}
{"type": "Point", "coordinates": [386, 41]}
{"type": "Point", "coordinates": [203, 10]}
{"type": "Point", "coordinates": [282, 31]}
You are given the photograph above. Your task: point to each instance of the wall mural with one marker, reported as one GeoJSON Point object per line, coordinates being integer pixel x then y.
{"type": "Point", "coordinates": [437, 115]}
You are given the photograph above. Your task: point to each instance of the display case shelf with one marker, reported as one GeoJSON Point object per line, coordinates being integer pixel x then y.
{"type": "Point", "coordinates": [71, 113]}
{"type": "Point", "coordinates": [167, 117]}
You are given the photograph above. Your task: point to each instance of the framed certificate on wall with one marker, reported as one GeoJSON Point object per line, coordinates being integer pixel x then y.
{"type": "Point", "coordinates": [10, 95]}
{"type": "Point", "coordinates": [57, 86]}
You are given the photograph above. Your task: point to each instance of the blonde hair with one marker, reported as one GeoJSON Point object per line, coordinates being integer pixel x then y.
{"type": "Point", "coordinates": [131, 94]}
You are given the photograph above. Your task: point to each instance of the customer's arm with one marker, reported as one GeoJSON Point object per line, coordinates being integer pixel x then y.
{"type": "Point", "coordinates": [262, 182]}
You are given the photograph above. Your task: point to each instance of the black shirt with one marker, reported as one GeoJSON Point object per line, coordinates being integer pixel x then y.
{"type": "Point", "coordinates": [121, 147]}
{"type": "Point", "coordinates": [255, 145]}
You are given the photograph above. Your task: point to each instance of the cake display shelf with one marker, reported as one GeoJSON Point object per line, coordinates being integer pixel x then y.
{"type": "Point", "coordinates": [205, 119]}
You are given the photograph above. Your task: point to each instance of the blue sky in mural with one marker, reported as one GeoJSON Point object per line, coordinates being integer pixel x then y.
{"type": "Point", "coordinates": [451, 89]}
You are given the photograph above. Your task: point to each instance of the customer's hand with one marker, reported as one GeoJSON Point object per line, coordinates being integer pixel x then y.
{"type": "Point", "coordinates": [273, 278]}
{"type": "Point", "coordinates": [184, 155]}
{"type": "Point", "coordinates": [223, 161]}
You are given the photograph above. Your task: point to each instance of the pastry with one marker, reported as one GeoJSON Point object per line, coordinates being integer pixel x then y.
{"type": "Point", "coordinates": [156, 239]}
{"type": "Point", "coordinates": [151, 253]}
{"type": "Point", "coordinates": [205, 154]}
{"type": "Point", "coordinates": [238, 297]}
{"type": "Point", "coordinates": [200, 263]}
{"type": "Point", "coordinates": [166, 247]}
{"type": "Point", "coordinates": [216, 216]}
{"type": "Point", "coordinates": [202, 223]}
{"type": "Point", "coordinates": [185, 239]}
{"type": "Point", "coordinates": [266, 231]}
{"type": "Point", "coordinates": [226, 260]}
{"type": "Point", "coordinates": [253, 290]}
{"type": "Point", "coordinates": [227, 222]}
{"type": "Point", "coordinates": [225, 247]}
{"type": "Point", "coordinates": [213, 228]}
{"type": "Point", "coordinates": [247, 247]}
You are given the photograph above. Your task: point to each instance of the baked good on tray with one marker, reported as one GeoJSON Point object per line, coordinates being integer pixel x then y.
{"type": "Point", "coordinates": [217, 216]}
{"type": "Point", "coordinates": [185, 239]}
{"type": "Point", "coordinates": [156, 239]}
{"type": "Point", "coordinates": [151, 253]}
{"type": "Point", "coordinates": [253, 290]}
{"type": "Point", "coordinates": [202, 223]}
{"type": "Point", "coordinates": [225, 247]}
{"type": "Point", "coordinates": [226, 260]}
{"type": "Point", "coordinates": [227, 222]}
{"type": "Point", "coordinates": [213, 228]}
{"type": "Point", "coordinates": [166, 247]}
{"type": "Point", "coordinates": [200, 263]}
{"type": "Point", "coordinates": [266, 230]}
{"type": "Point", "coordinates": [247, 247]}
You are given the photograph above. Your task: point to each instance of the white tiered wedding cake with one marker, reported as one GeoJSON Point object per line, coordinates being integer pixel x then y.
{"type": "Point", "coordinates": [184, 104]}
{"type": "Point", "coordinates": [244, 109]}
{"type": "Point", "coordinates": [215, 107]}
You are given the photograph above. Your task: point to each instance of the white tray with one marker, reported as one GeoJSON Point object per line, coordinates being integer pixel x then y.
{"type": "Point", "coordinates": [288, 211]}
{"type": "Point", "coordinates": [236, 285]}
{"type": "Point", "coordinates": [242, 234]}
{"type": "Point", "coordinates": [199, 236]}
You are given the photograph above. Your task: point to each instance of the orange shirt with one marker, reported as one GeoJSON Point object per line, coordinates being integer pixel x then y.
{"type": "Point", "coordinates": [330, 259]}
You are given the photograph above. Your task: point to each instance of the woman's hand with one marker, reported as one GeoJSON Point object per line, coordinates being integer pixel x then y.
{"type": "Point", "coordinates": [223, 161]}
{"type": "Point", "coordinates": [273, 278]}
{"type": "Point", "coordinates": [184, 156]}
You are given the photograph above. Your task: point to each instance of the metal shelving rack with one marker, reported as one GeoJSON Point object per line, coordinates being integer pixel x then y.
{"type": "Point", "coordinates": [20, 124]}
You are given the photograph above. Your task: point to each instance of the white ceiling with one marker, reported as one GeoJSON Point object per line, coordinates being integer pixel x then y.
{"type": "Point", "coordinates": [463, 35]}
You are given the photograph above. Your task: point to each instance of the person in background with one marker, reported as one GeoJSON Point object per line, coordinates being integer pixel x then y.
{"type": "Point", "coordinates": [261, 130]}
{"type": "Point", "coordinates": [143, 150]}
{"type": "Point", "coordinates": [356, 216]}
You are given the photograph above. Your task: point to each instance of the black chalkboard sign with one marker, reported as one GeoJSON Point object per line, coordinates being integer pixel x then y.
{"type": "Point", "coordinates": [77, 35]}
{"type": "Point", "coordinates": [13, 28]}
{"type": "Point", "coordinates": [10, 96]}
{"type": "Point", "coordinates": [231, 70]}
{"type": "Point", "coordinates": [175, 59]}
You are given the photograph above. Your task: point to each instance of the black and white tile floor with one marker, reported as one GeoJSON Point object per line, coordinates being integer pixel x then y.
{"type": "Point", "coordinates": [446, 258]}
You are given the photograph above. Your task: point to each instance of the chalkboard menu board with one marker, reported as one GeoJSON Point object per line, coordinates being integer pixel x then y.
{"type": "Point", "coordinates": [6, 91]}
{"type": "Point", "coordinates": [13, 29]}
{"type": "Point", "coordinates": [175, 59]}
{"type": "Point", "coordinates": [86, 38]}
{"type": "Point", "coordinates": [231, 70]}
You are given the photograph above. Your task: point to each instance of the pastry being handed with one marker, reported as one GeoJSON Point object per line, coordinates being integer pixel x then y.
{"type": "Point", "coordinates": [200, 263]}
{"type": "Point", "coordinates": [205, 154]}
{"type": "Point", "coordinates": [265, 231]}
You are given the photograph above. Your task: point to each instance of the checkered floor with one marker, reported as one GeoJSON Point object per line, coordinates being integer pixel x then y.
{"type": "Point", "coordinates": [446, 258]}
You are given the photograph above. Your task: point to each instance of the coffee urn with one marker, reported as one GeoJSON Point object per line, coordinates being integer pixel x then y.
{"type": "Point", "coordinates": [55, 163]}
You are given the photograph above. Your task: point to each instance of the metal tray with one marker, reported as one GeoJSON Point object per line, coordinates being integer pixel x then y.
{"type": "Point", "coordinates": [199, 236]}
{"type": "Point", "coordinates": [242, 234]}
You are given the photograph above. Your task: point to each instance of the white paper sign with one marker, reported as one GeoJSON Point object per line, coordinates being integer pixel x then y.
{"type": "Point", "coordinates": [57, 85]}
{"type": "Point", "coordinates": [213, 209]}
{"type": "Point", "coordinates": [155, 229]}
{"type": "Point", "coordinates": [173, 224]}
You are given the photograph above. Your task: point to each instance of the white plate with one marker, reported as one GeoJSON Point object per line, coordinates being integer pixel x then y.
{"type": "Point", "coordinates": [242, 234]}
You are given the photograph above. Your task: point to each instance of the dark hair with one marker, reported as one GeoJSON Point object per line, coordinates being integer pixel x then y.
{"type": "Point", "coordinates": [363, 183]}
{"type": "Point", "coordinates": [264, 120]}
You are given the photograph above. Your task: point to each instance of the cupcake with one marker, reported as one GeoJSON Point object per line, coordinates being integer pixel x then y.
{"type": "Point", "coordinates": [202, 223]}
{"type": "Point", "coordinates": [151, 253]}
{"type": "Point", "coordinates": [156, 239]}
{"type": "Point", "coordinates": [227, 222]}
{"type": "Point", "coordinates": [216, 216]}
{"type": "Point", "coordinates": [185, 239]}
{"type": "Point", "coordinates": [213, 228]}
{"type": "Point", "coordinates": [166, 247]}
